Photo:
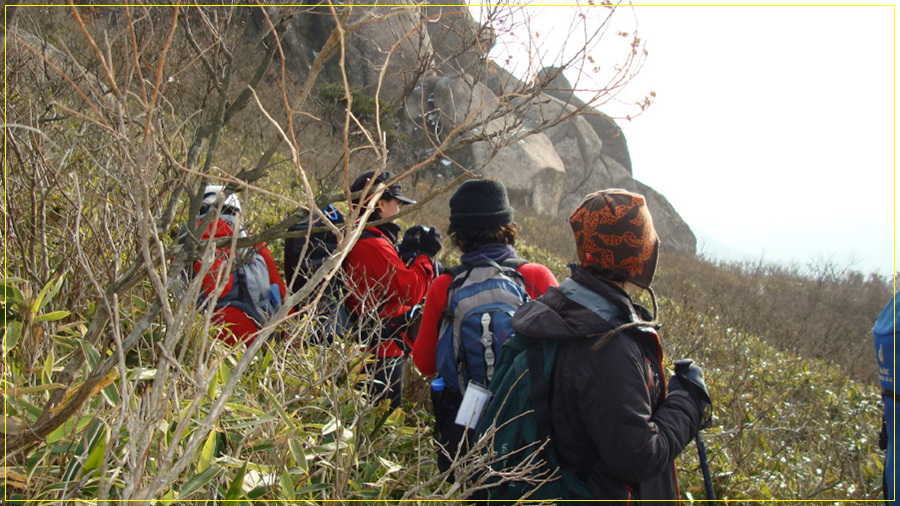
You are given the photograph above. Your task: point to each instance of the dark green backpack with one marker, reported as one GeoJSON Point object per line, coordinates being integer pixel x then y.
{"type": "Point", "coordinates": [520, 410]}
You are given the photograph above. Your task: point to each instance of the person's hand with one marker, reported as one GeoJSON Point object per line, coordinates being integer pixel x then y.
{"type": "Point", "coordinates": [689, 378]}
{"type": "Point", "coordinates": [412, 240]}
{"type": "Point", "coordinates": [431, 243]}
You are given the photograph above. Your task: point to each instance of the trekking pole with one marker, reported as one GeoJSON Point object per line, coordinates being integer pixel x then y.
{"type": "Point", "coordinates": [704, 466]}
{"type": "Point", "coordinates": [681, 368]}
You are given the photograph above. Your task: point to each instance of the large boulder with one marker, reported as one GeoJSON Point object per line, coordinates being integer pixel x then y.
{"type": "Point", "coordinates": [614, 144]}
{"type": "Point", "coordinates": [461, 100]}
{"type": "Point", "coordinates": [531, 169]}
{"type": "Point", "coordinates": [385, 52]}
{"type": "Point", "coordinates": [595, 155]}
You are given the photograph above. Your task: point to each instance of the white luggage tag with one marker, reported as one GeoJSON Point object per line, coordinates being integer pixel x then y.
{"type": "Point", "coordinates": [473, 403]}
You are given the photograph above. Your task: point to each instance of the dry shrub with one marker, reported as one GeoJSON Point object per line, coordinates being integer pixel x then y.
{"type": "Point", "coordinates": [824, 312]}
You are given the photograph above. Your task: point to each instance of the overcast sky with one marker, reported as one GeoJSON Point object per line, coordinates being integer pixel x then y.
{"type": "Point", "coordinates": [772, 130]}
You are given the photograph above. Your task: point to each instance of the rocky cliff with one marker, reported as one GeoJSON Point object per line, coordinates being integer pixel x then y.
{"type": "Point", "coordinates": [542, 141]}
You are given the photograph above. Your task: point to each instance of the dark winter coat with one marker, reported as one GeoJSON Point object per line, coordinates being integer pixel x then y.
{"type": "Point", "coordinates": [613, 424]}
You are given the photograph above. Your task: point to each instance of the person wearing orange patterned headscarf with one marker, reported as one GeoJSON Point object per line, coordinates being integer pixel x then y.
{"type": "Point", "coordinates": [614, 423]}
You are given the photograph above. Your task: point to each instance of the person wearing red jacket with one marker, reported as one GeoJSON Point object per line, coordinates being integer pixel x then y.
{"type": "Point", "coordinates": [240, 310]}
{"type": "Point", "coordinates": [383, 286]}
{"type": "Point", "coordinates": [482, 227]}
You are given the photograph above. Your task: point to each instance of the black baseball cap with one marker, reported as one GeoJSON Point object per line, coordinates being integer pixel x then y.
{"type": "Point", "coordinates": [394, 190]}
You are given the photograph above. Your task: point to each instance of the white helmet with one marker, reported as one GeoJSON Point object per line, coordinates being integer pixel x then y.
{"type": "Point", "coordinates": [215, 191]}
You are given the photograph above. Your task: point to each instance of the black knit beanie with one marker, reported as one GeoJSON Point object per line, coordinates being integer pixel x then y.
{"type": "Point", "coordinates": [480, 203]}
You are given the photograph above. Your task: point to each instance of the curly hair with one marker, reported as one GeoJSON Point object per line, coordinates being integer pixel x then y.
{"type": "Point", "coordinates": [468, 239]}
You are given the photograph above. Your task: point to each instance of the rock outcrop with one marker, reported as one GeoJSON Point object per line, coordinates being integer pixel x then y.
{"type": "Point", "coordinates": [539, 138]}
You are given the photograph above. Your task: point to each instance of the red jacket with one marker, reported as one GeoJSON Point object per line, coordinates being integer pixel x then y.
{"type": "Point", "coordinates": [379, 280]}
{"type": "Point", "coordinates": [238, 326]}
{"type": "Point", "coordinates": [537, 279]}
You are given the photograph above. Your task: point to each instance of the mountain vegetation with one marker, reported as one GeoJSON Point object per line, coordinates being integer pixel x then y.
{"type": "Point", "coordinates": [114, 387]}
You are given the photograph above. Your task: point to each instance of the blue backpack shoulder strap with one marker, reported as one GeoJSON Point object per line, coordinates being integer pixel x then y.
{"type": "Point", "coordinates": [455, 272]}
{"type": "Point", "coordinates": [515, 263]}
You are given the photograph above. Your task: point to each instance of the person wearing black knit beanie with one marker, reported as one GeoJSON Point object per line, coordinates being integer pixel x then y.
{"type": "Point", "coordinates": [482, 227]}
{"type": "Point", "coordinates": [480, 204]}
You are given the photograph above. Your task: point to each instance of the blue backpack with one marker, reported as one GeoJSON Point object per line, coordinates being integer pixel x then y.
{"type": "Point", "coordinates": [304, 255]}
{"type": "Point", "coordinates": [482, 299]}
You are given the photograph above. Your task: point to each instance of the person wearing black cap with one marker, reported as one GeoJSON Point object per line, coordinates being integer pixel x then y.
{"type": "Point", "coordinates": [482, 227]}
{"type": "Point", "coordinates": [614, 423]}
{"type": "Point", "coordinates": [382, 285]}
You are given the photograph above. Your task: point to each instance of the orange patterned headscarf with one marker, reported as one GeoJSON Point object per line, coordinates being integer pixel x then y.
{"type": "Point", "coordinates": [615, 237]}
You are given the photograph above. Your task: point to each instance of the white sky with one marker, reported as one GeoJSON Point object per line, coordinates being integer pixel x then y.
{"type": "Point", "coordinates": [772, 130]}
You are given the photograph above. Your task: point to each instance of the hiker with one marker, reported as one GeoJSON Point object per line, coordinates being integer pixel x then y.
{"type": "Point", "coordinates": [382, 285]}
{"type": "Point", "coordinates": [884, 333]}
{"type": "Point", "coordinates": [613, 425]}
{"type": "Point", "coordinates": [254, 289]}
{"type": "Point", "coordinates": [482, 227]}
{"type": "Point", "coordinates": [304, 255]}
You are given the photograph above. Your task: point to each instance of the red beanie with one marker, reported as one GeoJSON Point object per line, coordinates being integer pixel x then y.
{"type": "Point", "coordinates": [615, 237]}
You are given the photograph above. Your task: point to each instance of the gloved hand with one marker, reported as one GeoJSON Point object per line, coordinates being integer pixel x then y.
{"type": "Point", "coordinates": [431, 243]}
{"type": "Point", "coordinates": [412, 242]}
{"type": "Point", "coordinates": [688, 377]}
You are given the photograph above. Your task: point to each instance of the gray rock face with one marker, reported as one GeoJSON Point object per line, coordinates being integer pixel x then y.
{"type": "Point", "coordinates": [539, 176]}
{"type": "Point", "coordinates": [615, 146]}
{"type": "Point", "coordinates": [387, 50]}
{"type": "Point", "coordinates": [460, 44]}
{"type": "Point", "coordinates": [432, 61]}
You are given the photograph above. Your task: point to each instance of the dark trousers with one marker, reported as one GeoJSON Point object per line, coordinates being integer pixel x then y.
{"type": "Point", "coordinates": [453, 439]}
{"type": "Point", "coordinates": [388, 376]}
